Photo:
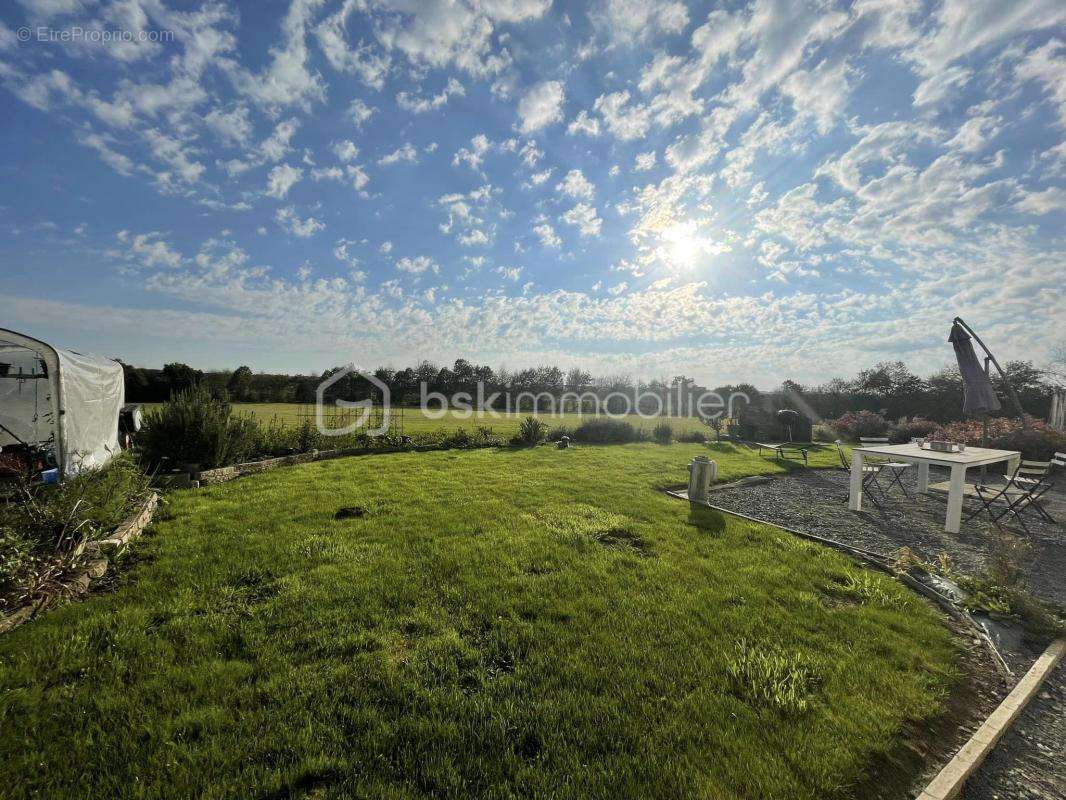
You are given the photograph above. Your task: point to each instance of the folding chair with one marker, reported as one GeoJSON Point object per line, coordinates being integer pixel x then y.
{"type": "Point", "coordinates": [1022, 491]}
{"type": "Point", "coordinates": [1032, 472]}
{"type": "Point", "coordinates": [869, 474]}
{"type": "Point", "coordinates": [895, 469]}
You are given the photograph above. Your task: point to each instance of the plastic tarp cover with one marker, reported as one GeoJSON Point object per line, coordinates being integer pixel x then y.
{"type": "Point", "coordinates": [92, 392]}
{"type": "Point", "coordinates": [25, 397]}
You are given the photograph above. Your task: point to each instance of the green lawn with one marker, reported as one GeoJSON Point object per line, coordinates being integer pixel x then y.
{"type": "Point", "coordinates": [415, 421]}
{"type": "Point", "coordinates": [533, 623]}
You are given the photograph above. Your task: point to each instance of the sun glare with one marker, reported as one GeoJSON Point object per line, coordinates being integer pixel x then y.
{"type": "Point", "coordinates": [683, 248]}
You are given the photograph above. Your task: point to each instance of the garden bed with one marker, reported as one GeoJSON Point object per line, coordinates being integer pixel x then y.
{"type": "Point", "coordinates": [67, 544]}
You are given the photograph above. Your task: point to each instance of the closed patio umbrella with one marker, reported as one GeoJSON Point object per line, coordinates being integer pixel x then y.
{"type": "Point", "coordinates": [978, 395]}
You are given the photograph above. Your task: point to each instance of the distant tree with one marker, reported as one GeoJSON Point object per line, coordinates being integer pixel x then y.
{"type": "Point", "coordinates": [239, 384]}
{"type": "Point", "coordinates": [577, 378]}
{"type": "Point", "coordinates": [178, 377]}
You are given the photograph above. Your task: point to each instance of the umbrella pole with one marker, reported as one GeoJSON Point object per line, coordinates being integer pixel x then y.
{"type": "Point", "coordinates": [984, 426]}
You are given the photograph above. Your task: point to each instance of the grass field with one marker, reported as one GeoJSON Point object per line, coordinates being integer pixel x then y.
{"type": "Point", "coordinates": [499, 623]}
{"type": "Point", "coordinates": [414, 421]}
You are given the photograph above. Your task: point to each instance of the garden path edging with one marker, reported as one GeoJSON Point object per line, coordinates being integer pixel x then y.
{"type": "Point", "coordinates": [951, 779]}
{"type": "Point", "coordinates": [96, 567]}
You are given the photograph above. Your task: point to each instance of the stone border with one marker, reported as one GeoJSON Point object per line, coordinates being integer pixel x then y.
{"type": "Point", "coordinates": [97, 565]}
{"type": "Point", "coordinates": [951, 779]}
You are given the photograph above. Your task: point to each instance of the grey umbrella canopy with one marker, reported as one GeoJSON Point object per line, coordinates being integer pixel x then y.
{"type": "Point", "coordinates": [978, 395]}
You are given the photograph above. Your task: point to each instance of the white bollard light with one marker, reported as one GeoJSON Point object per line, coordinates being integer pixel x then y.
{"type": "Point", "coordinates": [701, 472]}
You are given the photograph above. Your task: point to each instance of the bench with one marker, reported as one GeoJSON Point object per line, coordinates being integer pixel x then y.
{"type": "Point", "coordinates": [782, 450]}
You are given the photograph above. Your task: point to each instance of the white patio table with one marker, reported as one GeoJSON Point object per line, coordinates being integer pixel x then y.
{"type": "Point", "coordinates": [958, 463]}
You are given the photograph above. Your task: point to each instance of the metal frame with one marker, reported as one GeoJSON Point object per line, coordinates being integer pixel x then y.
{"type": "Point", "coordinates": [1016, 497]}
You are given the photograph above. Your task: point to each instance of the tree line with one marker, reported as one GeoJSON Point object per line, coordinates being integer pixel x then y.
{"type": "Point", "coordinates": [888, 388]}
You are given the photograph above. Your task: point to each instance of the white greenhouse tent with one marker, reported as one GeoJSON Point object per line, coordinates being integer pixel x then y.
{"type": "Point", "coordinates": [62, 402]}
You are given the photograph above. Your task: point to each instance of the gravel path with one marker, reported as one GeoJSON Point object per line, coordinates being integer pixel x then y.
{"type": "Point", "coordinates": [1030, 761]}
{"type": "Point", "coordinates": [816, 501]}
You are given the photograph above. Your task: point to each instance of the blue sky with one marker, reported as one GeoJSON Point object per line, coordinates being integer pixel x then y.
{"type": "Point", "coordinates": [730, 191]}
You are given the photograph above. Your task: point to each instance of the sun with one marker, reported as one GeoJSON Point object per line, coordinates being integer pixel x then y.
{"type": "Point", "coordinates": [682, 247]}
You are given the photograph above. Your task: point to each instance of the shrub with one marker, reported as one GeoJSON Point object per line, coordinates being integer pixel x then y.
{"type": "Point", "coordinates": [532, 431]}
{"type": "Point", "coordinates": [824, 432]}
{"type": "Point", "coordinates": [1037, 441]}
{"type": "Point", "coordinates": [558, 432]}
{"type": "Point", "coordinates": [604, 430]}
{"type": "Point", "coordinates": [195, 428]}
{"type": "Point", "coordinates": [692, 437]}
{"type": "Point", "coordinates": [663, 433]}
{"type": "Point", "coordinates": [855, 424]}
{"type": "Point", "coordinates": [907, 429]}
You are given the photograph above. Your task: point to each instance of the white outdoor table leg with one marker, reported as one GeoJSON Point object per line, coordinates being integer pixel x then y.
{"type": "Point", "coordinates": [923, 477]}
{"type": "Point", "coordinates": [855, 497]}
{"type": "Point", "coordinates": [958, 481]}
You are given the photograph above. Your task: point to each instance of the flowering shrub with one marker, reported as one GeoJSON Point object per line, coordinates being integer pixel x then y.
{"type": "Point", "coordinates": [855, 424]}
{"type": "Point", "coordinates": [1037, 441]}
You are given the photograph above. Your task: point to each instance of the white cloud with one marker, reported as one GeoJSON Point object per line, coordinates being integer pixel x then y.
{"type": "Point", "coordinates": [327, 174]}
{"type": "Point", "coordinates": [576, 185]}
{"type": "Point", "coordinates": [459, 33]}
{"type": "Point", "coordinates": [345, 150]}
{"type": "Point", "coordinates": [287, 218]}
{"type": "Point", "coordinates": [357, 176]}
{"type": "Point", "coordinates": [644, 161]}
{"type": "Point", "coordinates": [624, 120]}
{"type": "Point", "coordinates": [360, 113]}
{"type": "Point", "coordinates": [583, 123]}
{"type": "Point", "coordinates": [420, 105]}
{"type": "Point", "coordinates": [962, 26]}
{"type": "Point", "coordinates": [1047, 65]}
{"type": "Point", "coordinates": [282, 178]}
{"type": "Point", "coordinates": [541, 106]}
{"type": "Point", "coordinates": [175, 155]}
{"type": "Point", "coordinates": [820, 93]}
{"type": "Point", "coordinates": [585, 219]}
{"type": "Point", "coordinates": [275, 146]}
{"type": "Point", "coordinates": [405, 152]}
{"type": "Point", "coordinates": [417, 265]}
{"type": "Point", "coordinates": [1050, 200]}
{"type": "Point", "coordinates": [148, 250]}
{"type": "Point", "coordinates": [537, 178]}
{"type": "Point", "coordinates": [936, 87]}
{"type": "Point", "coordinates": [102, 145]}
{"type": "Point", "coordinates": [630, 20]}
{"type": "Point", "coordinates": [287, 80]}
{"type": "Point", "coordinates": [547, 235]}
{"type": "Point", "coordinates": [371, 66]}
{"type": "Point", "coordinates": [232, 125]}
{"type": "Point", "coordinates": [974, 134]}
{"type": "Point", "coordinates": [473, 156]}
